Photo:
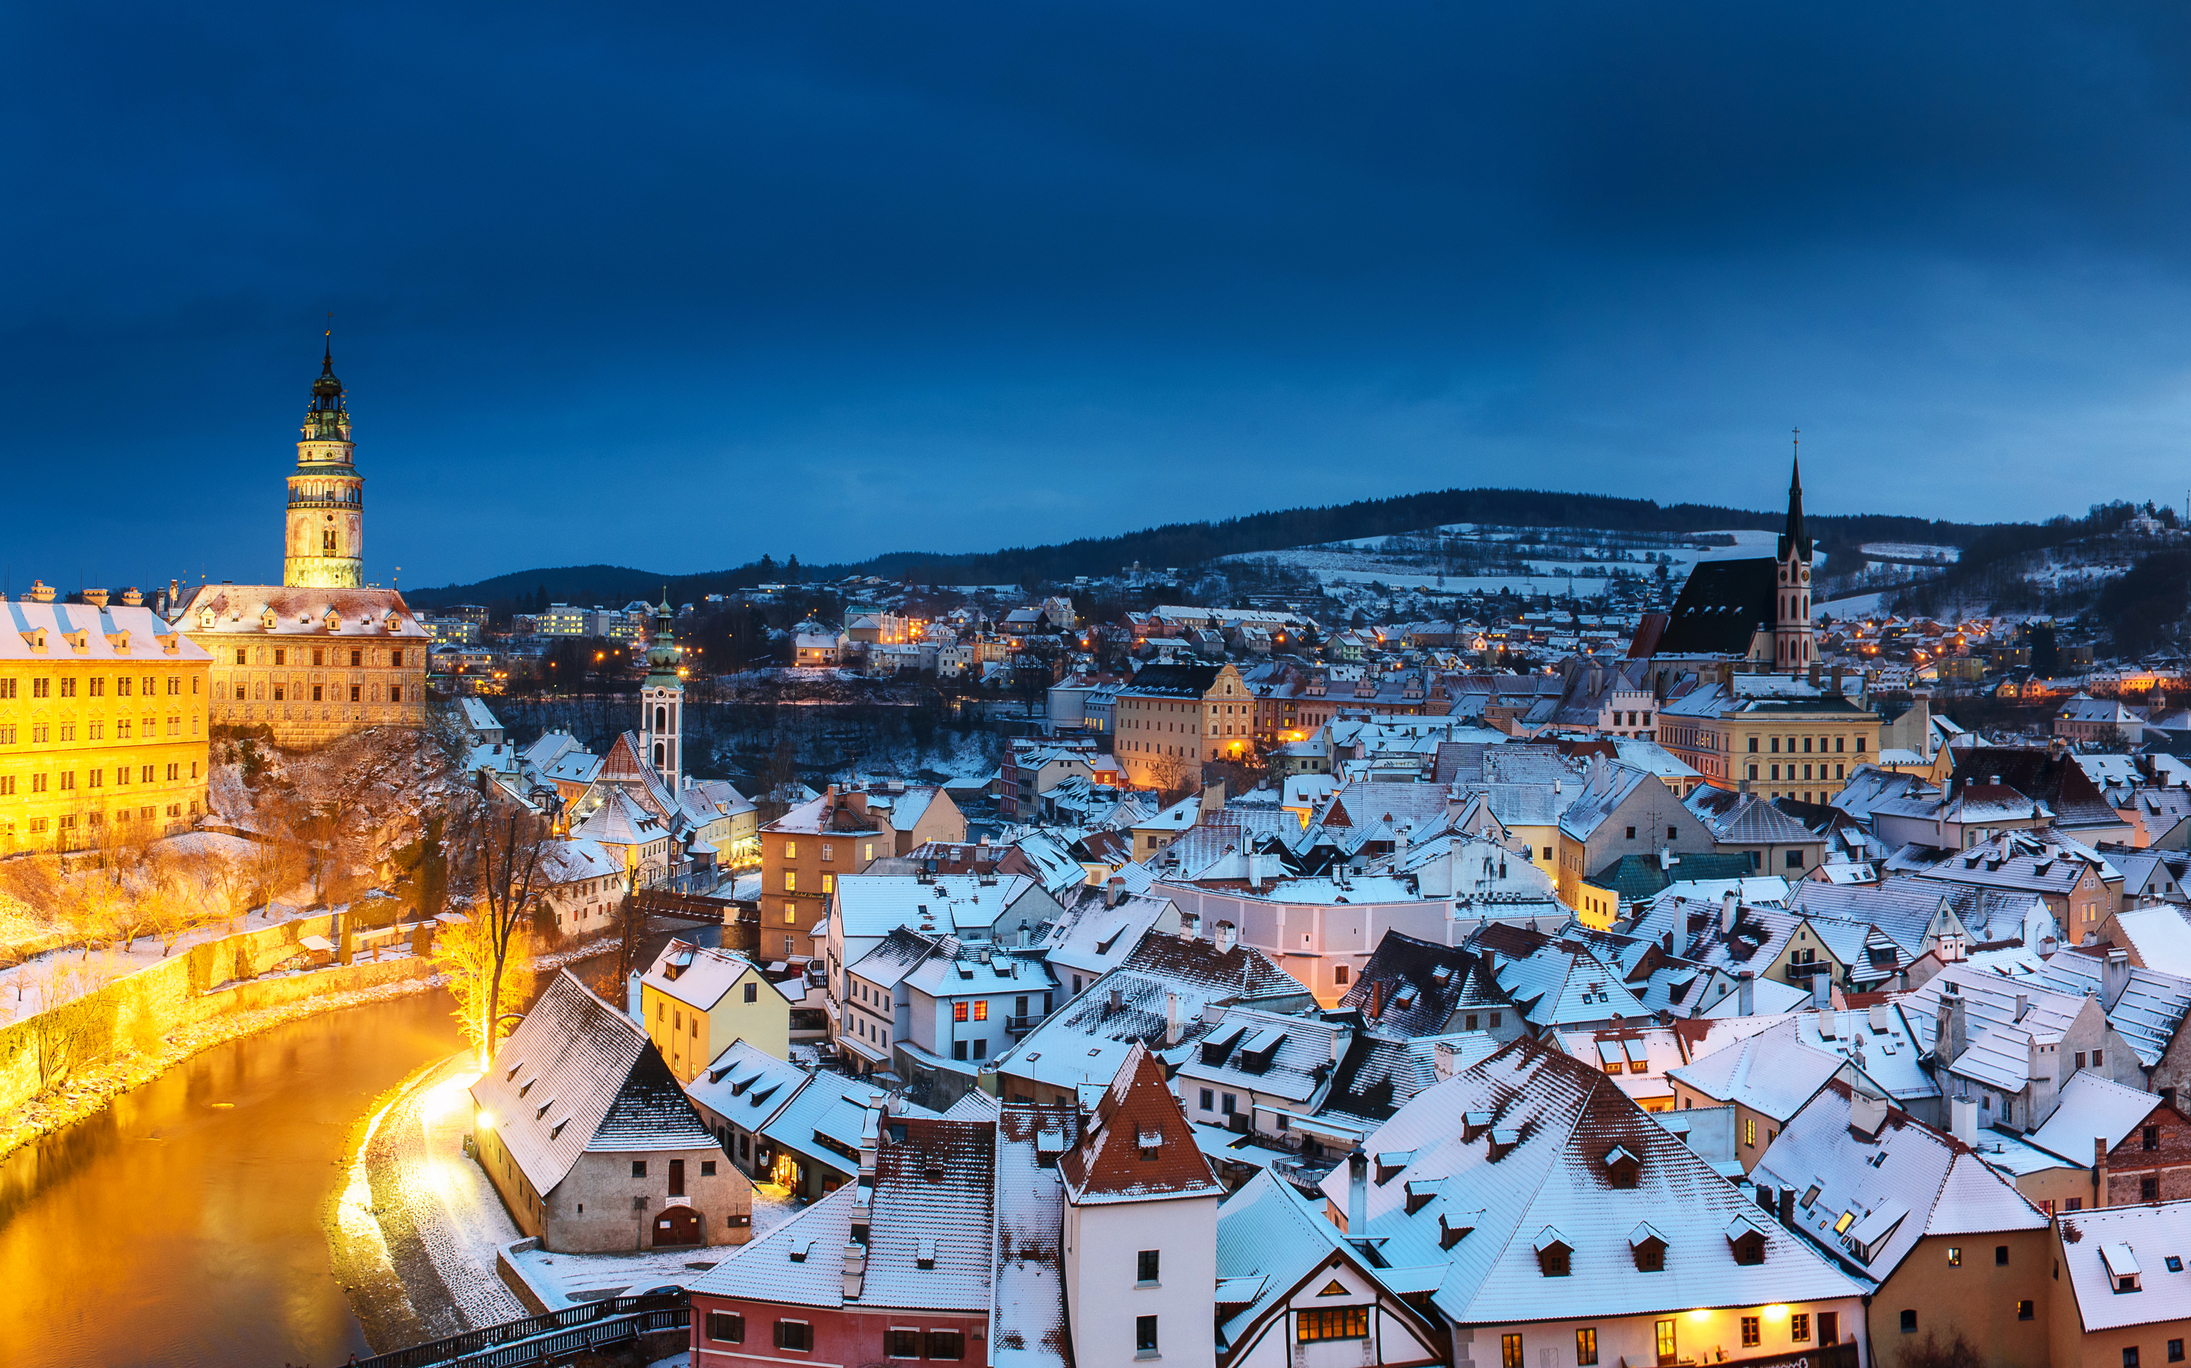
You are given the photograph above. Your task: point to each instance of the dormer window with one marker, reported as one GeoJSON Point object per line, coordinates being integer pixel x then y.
{"type": "Point", "coordinates": [1621, 1167]}
{"type": "Point", "coordinates": [1648, 1248]}
{"type": "Point", "coordinates": [1747, 1241]}
{"type": "Point", "coordinates": [2122, 1267]}
{"type": "Point", "coordinates": [1554, 1255]}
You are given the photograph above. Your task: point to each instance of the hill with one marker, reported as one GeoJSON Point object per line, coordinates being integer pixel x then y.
{"type": "Point", "coordinates": [1196, 543]}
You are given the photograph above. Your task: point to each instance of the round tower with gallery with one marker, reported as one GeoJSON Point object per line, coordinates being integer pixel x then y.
{"type": "Point", "coordinates": [324, 544]}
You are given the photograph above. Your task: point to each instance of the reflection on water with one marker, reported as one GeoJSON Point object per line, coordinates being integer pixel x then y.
{"type": "Point", "coordinates": [183, 1226]}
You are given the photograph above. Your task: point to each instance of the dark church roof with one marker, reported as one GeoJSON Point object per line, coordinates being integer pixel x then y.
{"type": "Point", "coordinates": [1722, 606]}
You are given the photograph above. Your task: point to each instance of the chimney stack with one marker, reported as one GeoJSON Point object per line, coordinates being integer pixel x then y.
{"type": "Point", "coordinates": [1171, 1019]}
{"type": "Point", "coordinates": [1951, 1031]}
{"type": "Point", "coordinates": [1746, 992]}
{"type": "Point", "coordinates": [1963, 1119]}
{"type": "Point", "coordinates": [2114, 977]}
{"type": "Point", "coordinates": [1730, 909]}
{"type": "Point", "coordinates": [1357, 1194]}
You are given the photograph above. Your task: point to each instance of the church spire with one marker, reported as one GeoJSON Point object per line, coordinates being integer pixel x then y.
{"type": "Point", "coordinates": [1794, 540]}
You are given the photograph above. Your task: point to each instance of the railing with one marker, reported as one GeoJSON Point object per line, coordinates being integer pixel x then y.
{"type": "Point", "coordinates": [1021, 1025]}
{"type": "Point", "coordinates": [547, 1339]}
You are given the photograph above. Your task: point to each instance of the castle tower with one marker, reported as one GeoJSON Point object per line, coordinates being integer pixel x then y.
{"type": "Point", "coordinates": [325, 542]}
{"type": "Point", "coordinates": [662, 702]}
{"type": "Point", "coordinates": [1794, 647]}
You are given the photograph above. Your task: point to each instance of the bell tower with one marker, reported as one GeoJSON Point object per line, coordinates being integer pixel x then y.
{"type": "Point", "coordinates": [662, 702]}
{"type": "Point", "coordinates": [324, 545]}
{"type": "Point", "coordinates": [1794, 646]}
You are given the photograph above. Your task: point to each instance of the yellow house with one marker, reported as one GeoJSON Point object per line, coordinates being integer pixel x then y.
{"type": "Point", "coordinates": [102, 723]}
{"type": "Point", "coordinates": [696, 1000]}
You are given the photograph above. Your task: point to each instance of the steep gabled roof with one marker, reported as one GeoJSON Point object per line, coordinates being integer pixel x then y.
{"type": "Point", "coordinates": [578, 1075]}
{"type": "Point", "coordinates": [1510, 1154]}
{"type": "Point", "coordinates": [1898, 1183]}
{"type": "Point", "coordinates": [1721, 608]}
{"type": "Point", "coordinates": [1138, 1146]}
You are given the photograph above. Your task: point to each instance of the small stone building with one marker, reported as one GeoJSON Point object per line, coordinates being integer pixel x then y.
{"type": "Point", "coordinates": [592, 1145]}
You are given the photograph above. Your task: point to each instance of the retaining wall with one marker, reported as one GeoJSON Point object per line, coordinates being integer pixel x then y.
{"type": "Point", "coordinates": [134, 1012]}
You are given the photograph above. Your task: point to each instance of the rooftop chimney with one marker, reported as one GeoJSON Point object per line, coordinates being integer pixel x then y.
{"type": "Point", "coordinates": [1730, 908]}
{"type": "Point", "coordinates": [1746, 992]}
{"type": "Point", "coordinates": [1357, 1194]}
{"type": "Point", "coordinates": [1118, 999]}
{"type": "Point", "coordinates": [1171, 1018]}
{"type": "Point", "coordinates": [2114, 977]}
{"type": "Point", "coordinates": [1951, 1030]}
{"type": "Point", "coordinates": [1963, 1119]}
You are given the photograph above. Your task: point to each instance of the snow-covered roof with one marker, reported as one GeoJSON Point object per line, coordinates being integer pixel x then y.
{"type": "Point", "coordinates": [2149, 1011]}
{"type": "Point", "coordinates": [83, 631]}
{"type": "Point", "coordinates": [2091, 1106]}
{"type": "Point", "coordinates": [1096, 933]}
{"type": "Point", "coordinates": [289, 610]}
{"type": "Point", "coordinates": [619, 821]}
{"type": "Point", "coordinates": [1510, 1154]}
{"type": "Point", "coordinates": [577, 1076]}
{"type": "Point", "coordinates": [2002, 1020]}
{"type": "Point", "coordinates": [1895, 1178]}
{"type": "Point", "coordinates": [700, 976]}
{"type": "Point", "coordinates": [1027, 1317]}
{"type": "Point", "coordinates": [876, 904]}
{"type": "Point", "coordinates": [1137, 1146]}
{"type": "Point", "coordinates": [1088, 1038]}
{"type": "Point", "coordinates": [1774, 1073]}
{"type": "Point", "coordinates": [2136, 1241]}
{"type": "Point", "coordinates": [2159, 936]}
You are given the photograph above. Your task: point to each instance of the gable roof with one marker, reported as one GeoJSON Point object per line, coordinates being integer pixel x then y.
{"type": "Point", "coordinates": [1510, 1154]}
{"type": "Point", "coordinates": [576, 1076]}
{"type": "Point", "coordinates": [1901, 1182]}
{"type": "Point", "coordinates": [1138, 1146]}
{"type": "Point", "coordinates": [1722, 606]}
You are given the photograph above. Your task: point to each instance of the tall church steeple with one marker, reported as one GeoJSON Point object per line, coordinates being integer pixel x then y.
{"type": "Point", "coordinates": [662, 701]}
{"type": "Point", "coordinates": [324, 545]}
{"type": "Point", "coordinates": [1794, 644]}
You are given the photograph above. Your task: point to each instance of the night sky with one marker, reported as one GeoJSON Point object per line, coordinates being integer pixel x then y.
{"type": "Point", "coordinates": [673, 287]}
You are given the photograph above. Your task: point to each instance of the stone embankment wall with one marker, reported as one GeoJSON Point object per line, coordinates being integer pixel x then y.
{"type": "Point", "coordinates": [132, 1014]}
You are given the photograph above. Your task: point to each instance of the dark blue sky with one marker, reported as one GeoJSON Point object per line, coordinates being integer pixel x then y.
{"type": "Point", "coordinates": [673, 287]}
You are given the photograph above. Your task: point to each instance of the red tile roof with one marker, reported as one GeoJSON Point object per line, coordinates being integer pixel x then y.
{"type": "Point", "coordinates": [1138, 1146]}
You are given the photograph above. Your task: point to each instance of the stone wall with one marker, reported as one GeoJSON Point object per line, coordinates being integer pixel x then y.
{"type": "Point", "coordinates": [133, 1013]}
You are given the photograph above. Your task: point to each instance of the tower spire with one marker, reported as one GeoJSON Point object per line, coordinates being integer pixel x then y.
{"type": "Point", "coordinates": [1794, 539]}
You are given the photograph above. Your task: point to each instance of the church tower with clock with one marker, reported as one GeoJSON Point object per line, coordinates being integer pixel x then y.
{"type": "Point", "coordinates": [1794, 642]}
{"type": "Point", "coordinates": [325, 543]}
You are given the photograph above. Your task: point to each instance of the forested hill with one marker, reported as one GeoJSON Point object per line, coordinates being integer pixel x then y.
{"type": "Point", "coordinates": [1185, 544]}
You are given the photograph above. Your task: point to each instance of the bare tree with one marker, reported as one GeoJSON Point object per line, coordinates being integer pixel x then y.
{"type": "Point", "coordinates": [507, 849]}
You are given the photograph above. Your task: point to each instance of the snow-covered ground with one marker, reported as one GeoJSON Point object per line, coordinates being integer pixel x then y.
{"type": "Point", "coordinates": [63, 975]}
{"type": "Point", "coordinates": [1924, 551]}
{"type": "Point", "coordinates": [1556, 560]}
{"type": "Point", "coordinates": [567, 1279]}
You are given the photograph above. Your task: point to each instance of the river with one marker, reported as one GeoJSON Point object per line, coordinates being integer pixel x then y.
{"type": "Point", "coordinates": [183, 1225]}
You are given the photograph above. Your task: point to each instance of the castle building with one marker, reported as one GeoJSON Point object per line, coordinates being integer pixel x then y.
{"type": "Point", "coordinates": [321, 654]}
{"type": "Point", "coordinates": [102, 723]}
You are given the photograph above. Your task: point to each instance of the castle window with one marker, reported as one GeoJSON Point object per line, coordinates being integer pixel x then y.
{"type": "Point", "coordinates": [396, 659]}
{"type": "Point", "coordinates": [239, 661]}
{"type": "Point", "coordinates": [357, 658]}
{"type": "Point", "coordinates": [281, 657]}
{"type": "Point", "coordinates": [395, 693]}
